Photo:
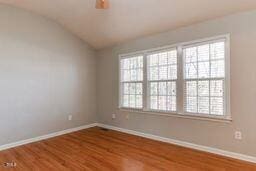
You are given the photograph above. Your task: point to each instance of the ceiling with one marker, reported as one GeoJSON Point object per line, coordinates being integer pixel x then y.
{"type": "Point", "coordinates": [129, 19]}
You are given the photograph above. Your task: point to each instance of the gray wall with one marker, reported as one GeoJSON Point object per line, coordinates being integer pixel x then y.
{"type": "Point", "coordinates": [45, 74]}
{"type": "Point", "coordinates": [242, 28]}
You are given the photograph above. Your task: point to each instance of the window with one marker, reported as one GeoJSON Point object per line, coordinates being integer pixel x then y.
{"type": "Point", "coordinates": [162, 69]}
{"type": "Point", "coordinates": [186, 79]}
{"type": "Point", "coordinates": [204, 67]}
{"type": "Point", "coordinates": [132, 82]}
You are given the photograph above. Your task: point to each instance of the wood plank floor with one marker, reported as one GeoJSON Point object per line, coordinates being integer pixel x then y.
{"type": "Point", "coordinates": [95, 149]}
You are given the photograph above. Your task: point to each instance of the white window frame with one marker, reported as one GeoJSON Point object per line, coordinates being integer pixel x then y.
{"type": "Point", "coordinates": [121, 82]}
{"type": "Point", "coordinates": [180, 95]}
{"type": "Point", "coordinates": [147, 106]}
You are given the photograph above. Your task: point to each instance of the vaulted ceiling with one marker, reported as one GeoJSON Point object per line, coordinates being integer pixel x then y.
{"type": "Point", "coordinates": [129, 19]}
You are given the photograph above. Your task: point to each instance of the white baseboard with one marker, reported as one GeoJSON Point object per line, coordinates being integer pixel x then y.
{"type": "Point", "coordinates": [184, 144]}
{"type": "Point", "coordinates": [43, 137]}
{"type": "Point", "coordinates": [150, 136]}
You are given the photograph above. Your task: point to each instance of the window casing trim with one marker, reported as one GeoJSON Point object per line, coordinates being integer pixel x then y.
{"type": "Point", "coordinates": [178, 115]}
{"type": "Point", "coordinates": [180, 78]}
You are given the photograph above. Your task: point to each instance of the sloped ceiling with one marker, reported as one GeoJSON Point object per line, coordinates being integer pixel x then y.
{"type": "Point", "coordinates": [129, 19]}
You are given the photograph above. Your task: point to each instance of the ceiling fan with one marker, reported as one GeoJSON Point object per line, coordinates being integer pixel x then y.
{"type": "Point", "coordinates": [102, 4]}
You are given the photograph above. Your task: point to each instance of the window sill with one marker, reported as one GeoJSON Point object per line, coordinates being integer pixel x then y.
{"type": "Point", "coordinates": [213, 118]}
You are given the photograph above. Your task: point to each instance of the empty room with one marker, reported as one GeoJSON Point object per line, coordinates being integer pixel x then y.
{"type": "Point", "coordinates": [128, 85]}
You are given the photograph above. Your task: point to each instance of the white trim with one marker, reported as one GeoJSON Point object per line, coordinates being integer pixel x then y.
{"type": "Point", "coordinates": [179, 86]}
{"type": "Point", "coordinates": [47, 136]}
{"type": "Point", "coordinates": [184, 144]}
{"type": "Point", "coordinates": [150, 136]}
{"type": "Point", "coordinates": [148, 51]}
{"type": "Point", "coordinates": [227, 77]}
{"type": "Point", "coordinates": [141, 52]}
{"type": "Point", "coordinates": [145, 91]}
{"type": "Point", "coordinates": [120, 92]}
{"type": "Point", "coordinates": [194, 116]}
{"type": "Point", "coordinates": [205, 41]}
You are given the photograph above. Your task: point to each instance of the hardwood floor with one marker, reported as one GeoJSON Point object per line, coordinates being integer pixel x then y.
{"type": "Point", "coordinates": [95, 149]}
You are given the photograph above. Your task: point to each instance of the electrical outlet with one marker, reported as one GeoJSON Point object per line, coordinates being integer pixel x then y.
{"type": "Point", "coordinates": [113, 116]}
{"type": "Point", "coordinates": [70, 117]}
{"type": "Point", "coordinates": [238, 135]}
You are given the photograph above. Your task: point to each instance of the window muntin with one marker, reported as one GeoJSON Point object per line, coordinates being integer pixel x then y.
{"type": "Point", "coordinates": [132, 82]}
{"type": "Point", "coordinates": [162, 69]}
{"type": "Point", "coordinates": [204, 78]}
{"type": "Point", "coordinates": [195, 83]}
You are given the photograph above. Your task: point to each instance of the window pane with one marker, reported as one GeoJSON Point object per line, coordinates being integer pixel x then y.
{"type": "Point", "coordinates": [140, 62]}
{"type": "Point", "coordinates": [139, 88]}
{"type": "Point", "coordinates": [191, 55]}
{"type": "Point", "coordinates": [172, 57]}
{"type": "Point", "coordinates": [139, 101]}
{"type": "Point", "coordinates": [153, 88]}
{"type": "Point", "coordinates": [217, 88]}
{"type": "Point", "coordinates": [203, 52]}
{"type": "Point", "coordinates": [163, 65]}
{"type": "Point", "coordinates": [153, 60]}
{"type": "Point", "coordinates": [139, 75]}
{"type": "Point", "coordinates": [191, 70]}
{"type": "Point", "coordinates": [203, 105]}
{"type": "Point", "coordinates": [203, 88]}
{"type": "Point", "coordinates": [166, 95]}
{"type": "Point", "coordinates": [126, 76]}
{"type": "Point", "coordinates": [133, 75]}
{"type": "Point", "coordinates": [163, 60]}
{"type": "Point", "coordinates": [125, 63]}
{"type": "Point", "coordinates": [132, 88]}
{"type": "Point", "coordinates": [126, 101]}
{"type": "Point", "coordinates": [191, 87]}
{"type": "Point", "coordinates": [217, 69]}
{"type": "Point", "coordinates": [132, 101]}
{"type": "Point", "coordinates": [162, 88]}
{"type": "Point", "coordinates": [210, 96]}
{"type": "Point", "coordinates": [163, 73]}
{"type": "Point", "coordinates": [171, 103]}
{"type": "Point", "coordinates": [153, 102]}
{"type": "Point", "coordinates": [218, 50]}
{"type": "Point", "coordinates": [126, 88]}
{"type": "Point", "coordinates": [191, 104]}
{"type": "Point", "coordinates": [172, 72]}
{"type": "Point", "coordinates": [133, 63]}
{"type": "Point", "coordinates": [153, 73]}
{"type": "Point", "coordinates": [171, 88]}
{"type": "Point", "coordinates": [217, 106]}
{"type": "Point", "coordinates": [162, 102]}
{"type": "Point", "coordinates": [203, 70]}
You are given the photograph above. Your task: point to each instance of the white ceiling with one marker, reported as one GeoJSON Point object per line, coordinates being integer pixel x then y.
{"type": "Point", "coordinates": [129, 19]}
